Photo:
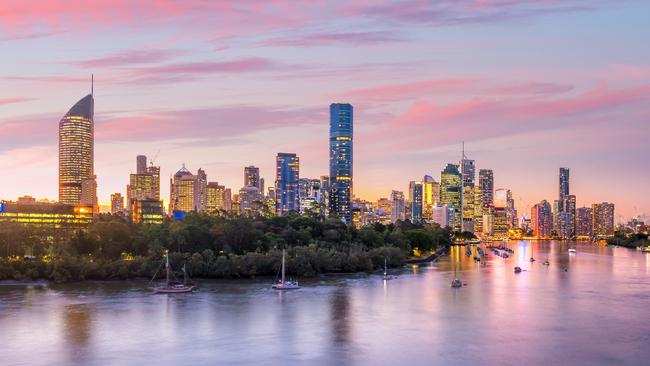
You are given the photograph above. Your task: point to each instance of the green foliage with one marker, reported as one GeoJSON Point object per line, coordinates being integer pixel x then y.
{"type": "Point", "coordinates": [210, 246]}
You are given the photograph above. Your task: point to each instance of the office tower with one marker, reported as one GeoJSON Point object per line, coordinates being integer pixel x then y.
{"type": "Point", "coordinates": [341, 152]}
{"type": "Point", "coordinates": [397, 210]}
{"type": "Point", "coordinates": [252, 177]}
{"type": "Point", "coordinates": [478, 210]}
{"type": "Point", "coordinates": [541, 219]}
{"type": "Point", "coordinates": [443, 215]}
{"type": "Point", "coordinates": [450, 192]}
{"type": "Point", "coordinates": [214, 197]}
{"type": "Point", "coordinates": [511, 211]}
{"type": "Point", "coordinates": [487, 221]}
{"type": "Point", "coordinates": [250, 201]}
{"type": "Point", "coordinates": [430, 197]}
{"type": "Point", "coordinates": [141, 167]}
{"type": "Point", "coordinates": [564, 183]}
{"type": "Point", "coordinates": [309, 193]}
{"type": "Point", "coordinates": [325, 194]}
{"type": "Point", "coordinates": [188, 192]}
{"type": "Point", "coordinates": [227, 199]}
{"type": "Point", "coordinates": [117, 203]}
{"type": "Point", "coordinates": [89, 193]}
{"type": "Point", "coordinates": [468, 173]}
{"type": "Point", "coordinates": [415, 197]}
{"type": "Point", "coordinates": [584, 222]}
{"type": "Point", "coordinates": [486, 186]}
{"type": "Point", "coordinates": [603, 219]}
{"type": "Point", "coordinates": [384, 205]}
{"type": "Point", "coordinates": [76, 153]}
{"type": "Point", "coordinates": [568, 217]}
{"type": "Point", "coordinates": [500, 214]}
{"type": "Point", "coordinates": [287, 173]}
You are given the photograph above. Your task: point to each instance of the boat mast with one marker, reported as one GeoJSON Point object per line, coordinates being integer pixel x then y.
{"type": "Point", "coordinates": [385, 267]}
{"type": "Point", "coordinates": [167, 265]}
{"type": "Point", "coordinates": [283, 250]}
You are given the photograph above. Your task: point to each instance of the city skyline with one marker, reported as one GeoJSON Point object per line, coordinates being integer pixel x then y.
{"type": "Point", "coordinates": [405, 127]}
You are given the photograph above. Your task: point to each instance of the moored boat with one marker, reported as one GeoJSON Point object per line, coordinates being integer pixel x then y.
{"type": "Point", "coordinates": [173, 287]}
{"type": "Point", "coordinates": [284, 284]}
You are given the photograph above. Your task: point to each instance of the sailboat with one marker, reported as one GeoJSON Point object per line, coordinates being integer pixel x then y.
{"type": "Point", "coordinates": [284, 284]}
{"type": "Point", "coordinates": [387, 277]}
{"type": "Point", "coordinates": [171, 287]}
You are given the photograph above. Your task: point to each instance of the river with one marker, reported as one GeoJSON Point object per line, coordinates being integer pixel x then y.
{"type": "Point", "coordinates": [595, 313]}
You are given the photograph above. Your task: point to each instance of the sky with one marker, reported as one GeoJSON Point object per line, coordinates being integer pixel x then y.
{"type": "Point", "coordinates": [528, 85]}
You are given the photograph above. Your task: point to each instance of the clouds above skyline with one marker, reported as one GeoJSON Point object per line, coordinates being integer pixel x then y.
{"type": "Point", "coordinates": [528, 85]}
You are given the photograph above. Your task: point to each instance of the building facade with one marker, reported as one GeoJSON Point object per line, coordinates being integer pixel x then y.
{"type": "Point", "coordinates": [450, 192]}
{"type": "Point", "coordinates": [287, 174]}
{"type": "Point", "coordinates": [341, 159]}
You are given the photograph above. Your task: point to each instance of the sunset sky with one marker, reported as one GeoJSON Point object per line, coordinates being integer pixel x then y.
{"type": "Point", "coordinates": [529, 85]}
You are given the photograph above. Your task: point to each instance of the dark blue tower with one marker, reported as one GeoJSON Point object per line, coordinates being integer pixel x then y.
{"type": "Point", "coordinates": [341, 123]}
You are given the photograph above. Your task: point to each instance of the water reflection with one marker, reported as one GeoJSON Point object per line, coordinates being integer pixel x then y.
{"type": "Point", "coordinates": [77, 331]}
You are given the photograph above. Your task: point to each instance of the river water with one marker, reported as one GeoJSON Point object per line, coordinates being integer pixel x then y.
{"type": "Point", "coordinates": [595, 313]}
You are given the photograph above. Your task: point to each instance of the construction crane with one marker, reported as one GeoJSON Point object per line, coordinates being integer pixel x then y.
{"type": "Point", "coordinates": [153, 160]}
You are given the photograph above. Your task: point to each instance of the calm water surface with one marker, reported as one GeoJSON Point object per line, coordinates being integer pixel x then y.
{"type": "Point", "coordinates": [597, 313]}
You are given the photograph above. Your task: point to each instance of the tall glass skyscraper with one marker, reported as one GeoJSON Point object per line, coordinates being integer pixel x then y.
{"type": "Point", "coordinates": [341, 128]}
{"type": "Point", "coordinates": [287, 174]}
{"type": "Point", "coordinates": [76, 154]}
{"type": "Point", "coordinates": [564, 183]}
{"type": "Point", "coordinates": [450, 191]}
{"type": "Point", "coordinates": [415, 196]}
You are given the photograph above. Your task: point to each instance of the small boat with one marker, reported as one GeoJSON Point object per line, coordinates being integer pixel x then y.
{"type": "Point", "coordinates": [456, 283]}
{"type": "Point", "coordinates": [284, 284]}
{"type": "Point", "coordinates": [572, 250]}
{"type": "Point", "coordinates": [173, 287]}
{"type": "Point", "coordinates": [547, 263]}
{"type": "Point", "coordinates": [532, 259]}
{"type": "Point", "coordinates": [517, 269]}
{"type": "Point", "coordinates": [565, 269]}
{"type": "Point", "coordinates": [387, 277]}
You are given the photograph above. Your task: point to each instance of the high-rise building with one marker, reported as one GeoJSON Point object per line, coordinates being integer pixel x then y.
{"type": "Point", "coordinates": [584, 222]}
{"type": "Point", "coordinates": [450, 192]}
{"type": "Point", "coordinates": [188, 192]}
{"type": "Point", "coordinates": [603, 219]}
{"type": "Point", "coordinates": [397, 210]}
{"type": "Point", "coordinates": [443, 215]}
{"type": "Point", "coordinates": [214, 197]}
{"type": "Point", "coordinates": [430, 197]}
{"type": "Point", "coordinates": [564, 183]}
{"type": "Point", "coordinates": [117, 203]}
{"type": "Point", "coordinates": [541, 219]}
{"type": "Point", "coordinates": [76, 154]}
{"type": "Point", "coordinates": [287, 174]}
{"type": "Point", "coordinates": [325, 194]}
{"type": "Point", "coordinates": [227, 200]}
{"type": "Point", "coordinates": [252, 177]}
{"type": "Point", "coordinates": [250, 201]}
{"type": "Point", "coordinates": [341, 152]}
{"type": "Point", "coordinates": [415, 197]}
{"type": "Point", "coordinates": [141, 167]}
{"type": "Point", "coordinates": [309, 193]}
{"type": "Point", "coordinates": [486, 187]}
{"type": "Point", "coordinates": [468, 173]}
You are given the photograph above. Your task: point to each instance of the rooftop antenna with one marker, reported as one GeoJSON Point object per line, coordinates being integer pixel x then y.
{"type": "Point", "coordinates": [92, 83]}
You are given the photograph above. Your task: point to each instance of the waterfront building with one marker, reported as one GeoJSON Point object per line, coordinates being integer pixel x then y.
{"type": "Point", "coordinates": [397, 207]}
{"type": "Point", "coordinates": [430, 197]}
{"type": "Point", "coordinates": [500, 223]}
{"type": "Point", "coordinates": [541, 218]}
{"type": "Point", "coordinates": [486, 187]}
{"type": "Point", "coordinates": [450, 191]}
{"type": "Point", "coordinates": [584, 222]}
{"type": "Point", "coordinates": [47, 215]}
{"type": "Point", "coordinates": [488, 222]}
{"type": "Point", "coordinates": [341, 158]}
{"type": "Point", "coordinates": [117, 203]}
{"type": "Point", "coordinates": [76, 155]}
{"type": "Point", "coordinates": [468, 174]}
{"type": "Point", "coordinates": [415, 197]}
{"type": "Point", "coordinates": [444, 215]}
{"type": "Point", "coordinates": [603, 219]}
{"type": "Point", "coordinates": [287, 168]}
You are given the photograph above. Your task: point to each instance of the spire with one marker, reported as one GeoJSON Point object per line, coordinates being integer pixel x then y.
{"type": "Point", "coordinates": [92, 84]}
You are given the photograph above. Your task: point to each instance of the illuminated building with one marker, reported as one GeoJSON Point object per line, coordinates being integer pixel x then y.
{"type": "Point", "coordinates": [430, 197]}
{"type": "Point", "coordinates": [227, 200]}
{"type": "Point", "coordinates": [325, 194]}
{"type": "Point", "coordinates": [215, 197]}
{"type": "Point", "coordinates": [603, 219]}
{"type": "Point", "coordinates": [188, 192]}
{"type": "Point", "coordinates": [488, 221]}
{"type": "Point", "coordinates": [117, 203]}
{"type": "Point", "coordinates": [384, 204]}
{"type": "Point", "coordinates": [541, 219]}
{"type": "Point", "coordinates": [250, 200]}
{"type": "Point", "coordinates": [415, 197]}
{"type": "Point", "coordinates": [141, 164]}
{"type": "Point", "coordinates": [76, 155]}
{"type": "Point", "coordinates": [56, 216]}
{"type": "Point", "coordinates": [468, 174]}
{"type": "Point", "coordinates": [341, 149]}
{"type": "Point", "coordinates": [252, 177]}
{"type": "Point", "coordinates": [564, 184]}
{"type": "Point", "coordinates": [147, 211]}
{"type": "Point", "coordinates": [450, 192]}
{"type": "Point", "coordinates": [443, 215]}
{"type": "Point", "coordinates": [584, 222]}
{"type": "Point", "coordinates": [397, 209]}
{"type": "Point", "coordinates": [500, 214]}
{"type": "Point", "coordinates": [486, 186]}
{"type": "Point", "coordinates": [309, 193]}
{"type": "Point", "coordinates": [287, 174]}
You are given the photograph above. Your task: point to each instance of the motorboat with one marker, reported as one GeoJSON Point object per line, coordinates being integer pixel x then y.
{"type": "Point", "coordinates": [532, 259]}
{"type": "Point", "coordinates": [547, 263]}
{"type": "Point", "coordinates": [284, 284]}
{"type": "Point", "coordinates": [517, 269]}
{"type": "Point", "coordinates": [456, 283]}
{"type": "Point", "coordinates": [572, 250]}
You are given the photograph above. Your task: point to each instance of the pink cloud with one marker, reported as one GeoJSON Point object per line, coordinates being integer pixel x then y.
{"type": "Point", "coordinates": [14, 100]}
{"type": "Point", "coordinates": [129, 57]}
{"type": "Point", "coordinates": [390, 92]}
{"type": "Point", "coordinates": [333, 39]}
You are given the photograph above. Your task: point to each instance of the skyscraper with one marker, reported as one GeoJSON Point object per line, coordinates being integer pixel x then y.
{"type": "Point", "coordinates": [188, 192]}
{"type": "Point", "coordinates": [564, 183]}
{"type": "Point", "coordinates": [76, 154]}
{"type": "Point", "coordinates": [117, 203]}
{"type": "Point", "coordinates": [603, 219]}
{"type": "Point", "coordinates": [141, 167]}
{"type": "Point", "coordinates": [415, 197]}
{"type": "Point", "coordinates": [287, 174]}
{"type": "Point", "coordinates": [541, 219]}
{"type": "Point", "coordinates": [341, 149]}
{"type": "Point", "coordinates": [468, 173]}
{"type": "Point", "coordinates": [450, 191]}
{"type": "Point", "coordinates": [584, 222]}
{"type": "Point", "coordinates": [397, 210]}
{"type": "Point", "coordinates": [252, 177]}
{"type": "Point", "coordinates": [430, 197]}
{"type": "Point", "coordinates": [214, 197]}
{"type": "Point", "coordinates": [486, 186]}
